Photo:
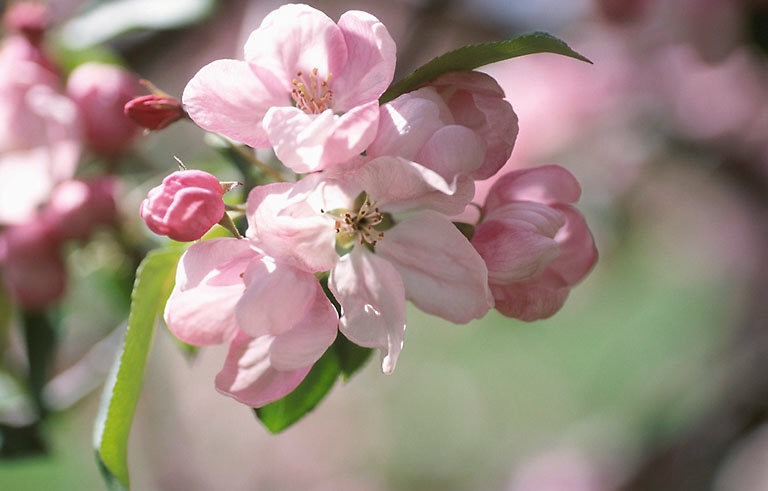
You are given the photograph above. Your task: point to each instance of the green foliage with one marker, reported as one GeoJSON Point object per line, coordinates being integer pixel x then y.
{"type": "Point", "coordinates": [477, 55]}
{"type": "Point", "coordinates": [154, 282]}
{"type": "Point", "coordinates": [281, 414]}
{"type": "Point", "coordinates": [351, 356]}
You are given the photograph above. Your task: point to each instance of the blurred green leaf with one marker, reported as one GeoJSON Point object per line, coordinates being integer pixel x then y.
{"type": "Point", "coordinates": [40, 339]}
{"type": "Point", "coordinates": [154, 282]}
{"type": "Point", "coordinates": [6, 316]}
{"type": "Point", "coordinates": [68, 58]}
{"type": "Point", "coordinates": [104, 20]}
{"type": "Point", "coordinates": [351, 356]}
{"type": "Point", "coordinates": [281, 414]}
{"type": "Point", "coordinates": [477, 55]}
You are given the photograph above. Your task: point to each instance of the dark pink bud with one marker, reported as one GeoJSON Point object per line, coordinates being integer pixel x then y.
{"type": "Point", "coordinates": [185, 206]}
{"type": "Point", "coordinates": [32, 268]}
{"type": "Point", "coordinates": [620, 11]}
{"type": "Point", "coordinates": [154, 112]}
{"type": "Point", "coordinates": [28, 18]}
{"type": "Point", "coordinates": [100, 92]}
{"type": "Point", "coordinates": [76, 207]}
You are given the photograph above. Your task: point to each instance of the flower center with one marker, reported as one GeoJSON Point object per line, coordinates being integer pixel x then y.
{"type": "Point", "coordinates": [361, 224]}
{"type": "Point", "coordinates": [314, 96]}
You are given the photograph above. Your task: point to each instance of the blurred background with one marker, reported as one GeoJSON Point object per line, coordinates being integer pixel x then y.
{"type": "Point", "coordinates": [654, 376]}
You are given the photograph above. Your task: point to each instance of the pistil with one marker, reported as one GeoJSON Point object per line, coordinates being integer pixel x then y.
{"type": "Point", "coordinates": [313, 97]}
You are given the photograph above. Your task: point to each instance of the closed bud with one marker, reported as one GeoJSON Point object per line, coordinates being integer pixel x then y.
{"type": "Point", "coordinates": [30, 19]}
{"type": "Point", "coordinates": [185, 206]}
{"type": "Point", "coordinates": [154, 112]}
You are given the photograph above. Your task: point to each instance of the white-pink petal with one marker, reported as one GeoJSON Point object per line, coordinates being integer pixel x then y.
{"type": "Point", "coordinates": [442, 272]}
{"type": "Point", "coordinates": [546, 184]}
{"type": "Point", "coordinates": [226, 97]}
{"type": "Point", "coordinates": [452, 150]}
{"type": "Point", "coordinates": [372, 298]}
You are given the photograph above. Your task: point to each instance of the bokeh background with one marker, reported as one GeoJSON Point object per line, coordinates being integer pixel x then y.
{"type": "Point", "coordinates": [654, 375]}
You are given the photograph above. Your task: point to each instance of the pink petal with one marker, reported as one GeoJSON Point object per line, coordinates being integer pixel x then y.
{"type": "Point", "coordinates": [372, 299]}
{"type": "Point", "coordinates": [452, 150]}
{"type": "Point", "coordinates": [397, 184]}
{"type": "Point", "coordinates": [545, 184]}
{"type": "Point", "coordinates": [248, 375]}
{"type": "Point", "coordinates": [371, 61]}
{"type": "Point", "coordinates": [201, 309]}
{"type": "Point", "coordinates": [296, 38]}
{"type": "Point", "coordinates": [578, 253]}
{"type": "Point", "coordinates": [226, 97]}
{"type": "Point", "coordinates": [407, 123]}
{"type": "Point", "coordinates": [308, 143]}
{"type": "Point", "coordinates": [531, 300]}
{"type": "Point", "coordinates": [517, 240]}
{"type": "Point", "coordinates": [276, 297]}
{"type": "Point", "coordinates": [306, 342]}
{"type": "Point", "coordinates": [285, 224]}
{"type": "Point", "coordinates": [442, 272]}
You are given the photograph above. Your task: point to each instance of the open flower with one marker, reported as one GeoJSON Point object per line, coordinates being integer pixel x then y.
{"type": "Point", "coordinates": [534, 241]}
{"type": "Point", "coordinates": [276, 317]}
{"type": "Point", "coordinates": [308, 87]}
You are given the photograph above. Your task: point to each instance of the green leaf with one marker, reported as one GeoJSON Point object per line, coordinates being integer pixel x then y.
{"type": "Point", "coordinates": [6, 316]}
{"type": "Point", "coordinates": [281, 414]}
{"type": "Point", "coordinates": [471, 57]}
{"type": "Point", "coordinates": [154, 282]}
{"type": "Point", "coordinates": [352, 357]}
{"type": "Point", "coordinates": [40, 338]}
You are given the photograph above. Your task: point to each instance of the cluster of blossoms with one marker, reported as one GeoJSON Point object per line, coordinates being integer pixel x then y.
{"type": "Point", "coordinates": [48, 124]}
{"type": "Point", "coordinates": [375, 213]}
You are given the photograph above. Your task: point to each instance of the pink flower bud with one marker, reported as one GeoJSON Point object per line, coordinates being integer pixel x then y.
{"type": "Point", "coordinates": [28, 18]}
{"type": "Point", "coordinates": [100, 92]}
{"type": "Point", "coordinates": [76, 207]}
{"type": "Point", "coordinates": [32, 268]}
{"type": "Point", "coordinates": [477, 102]}
{"type": "Point", "coordinates": [154, 112]}
{"type": "Point", "coordinates": [185, 206]}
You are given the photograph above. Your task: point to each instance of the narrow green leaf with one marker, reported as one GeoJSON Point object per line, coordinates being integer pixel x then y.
{"type": "Point", "coordinates": [477, 55]}
{"type": "Point", "coordinates": [281, 414]}
{"type": "Point", "coordinates": [154, 282]}
{"type": "Point", "coordinates": [352, 357]}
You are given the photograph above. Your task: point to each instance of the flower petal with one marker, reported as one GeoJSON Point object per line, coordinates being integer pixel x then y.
{"type": "Point", "coordinates": [226, 97]}
{"type": "Point", "coordinates": [452, 150]}
{"type": "Point", "coordinates": [442, 272]}
{"type": "Point", "coordinates": [201, 308]}
{"type": "Point", "coordinates": [370, 64]}
{"type": "Point", "coordinates": [276, 297]}
{"type": "Point", "coordinates": [306, 342]}
{"type": "Point", "coordinates": [372, 299]}
{"type": "Point", "coordinates": [578, 253]}
{"type": "Point", "coordinates": [544, 184]}
{"type": "Point", "coordinates": [308, 143]}
{"type": "Point", "coordinates": [248, 375]}
{"type": "Point", "coordinates": [532, 300]}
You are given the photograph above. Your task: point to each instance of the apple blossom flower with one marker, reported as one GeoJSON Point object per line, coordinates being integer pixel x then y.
{"type": "Point", "coordinates": [154, 112]}
{"type": "Point", "coordinates": [77, 206]}
{"type": "Point", "coordinates": [185, 206]}
{"type": "Point", "coordinates": [308, 87]}
{"type": "Point", "coordinates": [477, 102]}
{"type": "Point", "coordinates": [276, 318]}
{"type": "Point", "coordinates": [380, 225]}
{"type": "Point", "coordinates": [101, 92]}
{"type": "Point", "coordinates": [534, 242]}
{"type": "Point", "coordinates": [31, 265]}
{"type": "Point", "coordinates": [40, 141]}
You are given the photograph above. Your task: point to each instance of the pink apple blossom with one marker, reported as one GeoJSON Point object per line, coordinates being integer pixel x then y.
{"type": "Point", "coordinates": [308, 87]}
{"type": "Point", "coordinates": [477, 102]}
{"type": "Point", "coordinates": [40, 141]}
{"type": "Point", "coordinates": [31, 265]}
{"type": "Point", "coordinates": [185, 206]}
{"type": "Point", "coordinates": [276, 318]}
{"type": "Point", "coordinates": [100, 92]}
{"type": "Point", "coordinates": [535, 243]}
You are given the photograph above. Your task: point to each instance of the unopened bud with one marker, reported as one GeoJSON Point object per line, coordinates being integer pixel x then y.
{"type": "Point", "coordinates": [28, 18]}
{"type": "Point", "coordinates": [154, 112]}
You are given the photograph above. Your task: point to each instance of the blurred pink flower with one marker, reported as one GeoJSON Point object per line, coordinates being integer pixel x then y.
{"type": "Point", "coordinates": [276, 317]}
{"type": "Point", "coordinates": [477, 102]}
{"type": "Point", "coordinates": [535, 243]}
{"type": "Point", "coordinates": [31, 19]}
{"type": "Point", "coordinates": [185, 206]}
{"type": "Point", "coordinates": [40, 141]}
{"type": "Point", "coordinates": [31, 265]}
{"type": "Point", "coordinates": [78, 206]}
{"type": "Point", "coordinates": [308, 87]}
{"type": "Point", "coordinates": [101, 92]}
